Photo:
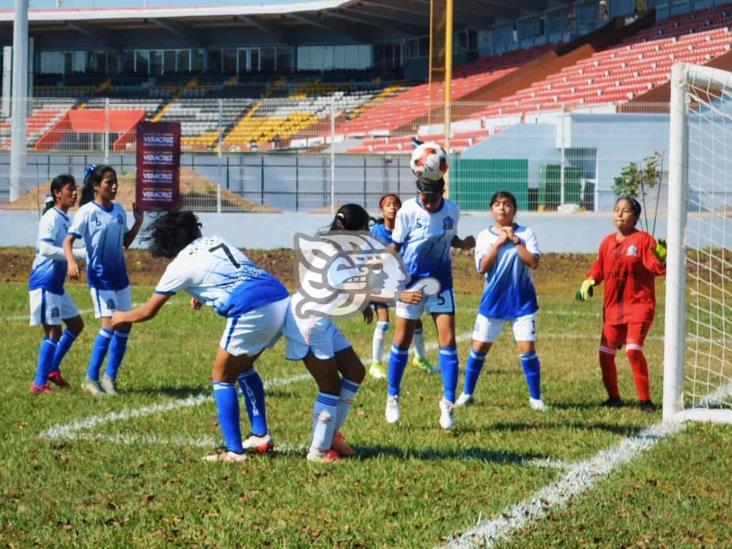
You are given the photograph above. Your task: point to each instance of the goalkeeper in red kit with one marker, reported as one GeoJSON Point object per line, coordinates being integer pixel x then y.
{"type": "Point", "coordinates": [628, 262]}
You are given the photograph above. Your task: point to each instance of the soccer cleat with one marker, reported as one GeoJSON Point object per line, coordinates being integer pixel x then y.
{"type": "Point", "coordinates": [377, 370]}
{"type": "Point", "coordinates": [392, 409]}
{"type": "Point", "coordinates": [424, 365]}
{"type": "Point", "coordinates": [647, 406]}
{"type": "Point", "coordinates": [464, 400]}
{"type": "Point", "coordinates": [39, 389]}
{"type": "Point", "coordinates": [58, 379]}
{"type": "Point", "coordinates": [613, 403]}
{"type": "Point", "coordinates": [108, 385]}
{"type": "Point", "coordinates": [447, 414]}
{"type": "Point", "coordinates": [226, 456]}
{"type": "Point", "coordinates": [318, 456]}
{"type": "Point", "coordinates": [92, 387]}
{"type": "Point", "coordinates": [537, 404]}
{"type": "Point", "coordinates": [340, 446]}
{"type": "Point", "coordinates": [259, 445]}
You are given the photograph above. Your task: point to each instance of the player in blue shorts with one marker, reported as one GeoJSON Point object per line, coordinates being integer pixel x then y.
{"type": "Point", "coordinates": [424, 232]}
{"type": "Point", "coordinates": [102, 224]}
{"type": "Point", "coordinates": [329, 357]}
{"type": "Point", "coordinates": [49, 303]}
{"type": "Point", "coordinates": [253, 302]}
{"type": "Point", "coordinates": [506, 254]}
{"type": "Point", "coordinates": [382, 229]}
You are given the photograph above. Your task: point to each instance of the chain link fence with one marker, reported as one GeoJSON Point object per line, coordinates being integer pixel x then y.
{"type": "Point", "coordinates": [312, 153]}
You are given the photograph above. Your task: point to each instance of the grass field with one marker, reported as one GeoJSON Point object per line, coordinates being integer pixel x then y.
{"type": "Point", "coordinates": [127, 471]}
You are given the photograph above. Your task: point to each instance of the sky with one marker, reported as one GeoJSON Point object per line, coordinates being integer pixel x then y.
{"type": "Point", "coordinates": [6, 4]}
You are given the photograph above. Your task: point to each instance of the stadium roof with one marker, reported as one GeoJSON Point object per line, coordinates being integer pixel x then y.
{"type": "Point", "coordinates": [406, 17]}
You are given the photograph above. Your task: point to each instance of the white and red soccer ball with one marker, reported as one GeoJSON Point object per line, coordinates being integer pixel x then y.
{"type": "Point", "coordinates": [429, 161]}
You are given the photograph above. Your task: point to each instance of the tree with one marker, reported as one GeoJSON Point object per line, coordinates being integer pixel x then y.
{"type": "Point", "coordinates": [637, 180]}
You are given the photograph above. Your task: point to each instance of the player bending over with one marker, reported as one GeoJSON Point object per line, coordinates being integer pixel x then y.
{"type": "Point", "coordinates": [253, 302]}
{"type": "Point", "coordinates": [102, 224]}
{"type": "Point", "coordinates": [330, 359]}
{"type": "Point", "coordinates": [628, 262]}
{"type": "Point", "coordinates": [506, 254]}
{"type": "Point", "coordinates": [49, 303]}
{"type": "Point", "coordinates": [382, 229]}
{"type": "Point", "coordinates": [425, 229]}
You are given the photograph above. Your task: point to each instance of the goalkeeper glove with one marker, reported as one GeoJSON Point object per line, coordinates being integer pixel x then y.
{"type": "Point", "coordinates": [585, 291]}
{"type": "Point", "coordinates": [660, 250]}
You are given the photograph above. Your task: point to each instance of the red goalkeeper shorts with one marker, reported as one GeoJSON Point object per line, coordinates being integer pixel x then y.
{"type": "Point", "coordinates": [614, 336]}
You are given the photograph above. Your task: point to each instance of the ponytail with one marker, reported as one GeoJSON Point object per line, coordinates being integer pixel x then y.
{"type": "Point", "coordinates": [92, 177]}
{"type": "Point", "coordinates": [58, 183]}
{"type": "Point", "coordinates": [350, 217]}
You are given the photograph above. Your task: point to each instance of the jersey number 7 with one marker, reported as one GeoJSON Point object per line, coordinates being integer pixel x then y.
{"type": "Point", "coordinates": [228, 253]}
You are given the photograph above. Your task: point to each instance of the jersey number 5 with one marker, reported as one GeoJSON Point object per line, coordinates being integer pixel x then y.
{"type": "Point", "coordinates": [228, 253]}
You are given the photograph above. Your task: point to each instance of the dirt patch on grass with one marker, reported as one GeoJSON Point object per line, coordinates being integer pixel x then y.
{"type": "Point", "coordinates": [198, 192]}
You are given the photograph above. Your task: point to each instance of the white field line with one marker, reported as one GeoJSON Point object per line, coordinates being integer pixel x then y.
{"type": "Point", "coordinates": [71, 430]}
{"type": "Point", "coordinates": [580, 478]}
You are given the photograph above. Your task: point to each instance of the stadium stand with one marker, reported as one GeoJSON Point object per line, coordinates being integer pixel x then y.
{"type": "Point", "coordinates": [46, 113]}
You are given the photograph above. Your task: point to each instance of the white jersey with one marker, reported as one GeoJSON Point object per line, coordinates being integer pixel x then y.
{"type": "Point", "coordinates": [48, 273]}
{"type": "Point", "coordinates": [425, 239]}
{"type": "Point", "coordinates": [509, 291]}
{"type": "Point", "coordinates": [219, 275]}
{"type": "Point", "coordinates": [103, 231]}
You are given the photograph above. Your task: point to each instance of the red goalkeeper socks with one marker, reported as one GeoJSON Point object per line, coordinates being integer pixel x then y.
{"type": "Point", "coordinates": [640, 372]}
{"type": "Point", "coordinates": [609, 372]}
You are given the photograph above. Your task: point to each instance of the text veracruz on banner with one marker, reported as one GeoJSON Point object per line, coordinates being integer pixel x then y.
{"type": "Point", "coordinates": [158, 165]}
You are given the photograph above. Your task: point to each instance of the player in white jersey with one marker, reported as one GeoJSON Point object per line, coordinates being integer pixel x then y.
{"type": "Point", "coordinates": [506, 254]}
{"type": "Point", "coordinates": [253, 302]}
{"type": "Point", "coordinates": [49, 303]}
{"type": "Point", "coordinates": [329, 358]}
{"type": "Point", "coordinates": [102, 224]}
{"type": "Point", "coordinates": [389, 205]}
{"type": "Point", "coordinates": [425, 230]}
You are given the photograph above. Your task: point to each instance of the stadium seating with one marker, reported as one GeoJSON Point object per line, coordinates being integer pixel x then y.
{"type": "Point", "coordinates": [628, 70]}
{"type": "Point", "coordinates": [46, 113]}
{"type": "Point", "coordinates": [412, 104]}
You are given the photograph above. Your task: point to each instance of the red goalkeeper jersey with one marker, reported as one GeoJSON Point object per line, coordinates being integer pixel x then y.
{"type": "Point", "coordinates": [628, 269]}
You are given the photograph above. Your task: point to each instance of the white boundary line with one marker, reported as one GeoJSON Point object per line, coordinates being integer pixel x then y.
{"type": "Point", "coordinates": [580, 478]}
{"type": "Point", "coordinates": [71, 430]}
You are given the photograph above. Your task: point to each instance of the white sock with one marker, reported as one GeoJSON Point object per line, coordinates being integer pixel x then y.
{"type": "Point", "coordinates": [345, 401]}
{"type": "Point", "coordinates": [379, 341]}
{"type": "Point", "coordinates": [419, 344]}
{"type": "Point", "coordinates": [324, 415]}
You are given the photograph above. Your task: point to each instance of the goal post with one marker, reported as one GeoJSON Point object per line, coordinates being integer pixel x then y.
{"type": "Point", "coordinates": [697, 381]}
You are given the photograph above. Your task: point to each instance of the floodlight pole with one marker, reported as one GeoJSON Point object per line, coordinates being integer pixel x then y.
{"type": "Point", "coordinates": [448, 80]}
{"type": "Point", "coordinates": [20, 93]}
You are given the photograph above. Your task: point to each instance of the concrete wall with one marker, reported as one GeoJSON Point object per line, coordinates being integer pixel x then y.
{"type": "Point", "coordinates": [579, 233]}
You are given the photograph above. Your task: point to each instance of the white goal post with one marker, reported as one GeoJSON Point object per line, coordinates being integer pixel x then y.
{"type": "Point", "coordinates": [697, 381]}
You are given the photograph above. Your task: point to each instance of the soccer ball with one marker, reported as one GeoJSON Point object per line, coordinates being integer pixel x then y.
{"type": "Point", "coordinates": [429, 161]}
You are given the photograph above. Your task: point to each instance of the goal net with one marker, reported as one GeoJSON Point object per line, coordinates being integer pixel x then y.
{"type": "Point", "coordinates": [698, 324]}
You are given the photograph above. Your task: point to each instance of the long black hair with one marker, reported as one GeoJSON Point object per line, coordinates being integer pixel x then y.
{"type": "Point", "coordinates": [350, 217]}
{"type": "Point", "coordinates": [93, 176]}
{"type": "Point", "coordinates": [634, 205]}
{"type": "Point", "coordinates": [171, 232]}
{"type": "Point", "coordinates": [57, 184]}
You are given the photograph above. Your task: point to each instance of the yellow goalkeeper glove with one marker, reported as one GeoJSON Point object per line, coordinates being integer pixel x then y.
{"type": "Point", "coordinates": [660, 250]}
{"type": "Point", "coordinates": [585, 291]}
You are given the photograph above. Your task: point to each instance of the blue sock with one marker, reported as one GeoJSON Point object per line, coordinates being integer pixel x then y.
{"type": "Point", "coordinates": [252, 389]}
{"type": "Point", "coordinates": [397, 365]}
{"type": "Point", "coordinates": [99, 351]}
{"type": "Point", "coordinates": [450, 367]}
{"type": "Point", "coordinates": [45, 357]}
{"type": "Point", "coordinates": [227, 403]}
{"type": "Point", "coordinates": [532, 371]}
{"type": "Point", "coordinates": [472, 371]}
{"type": "Point", "coordinates": [64, 344]}
{"type": "Point", "coordinates": [116, 352]}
